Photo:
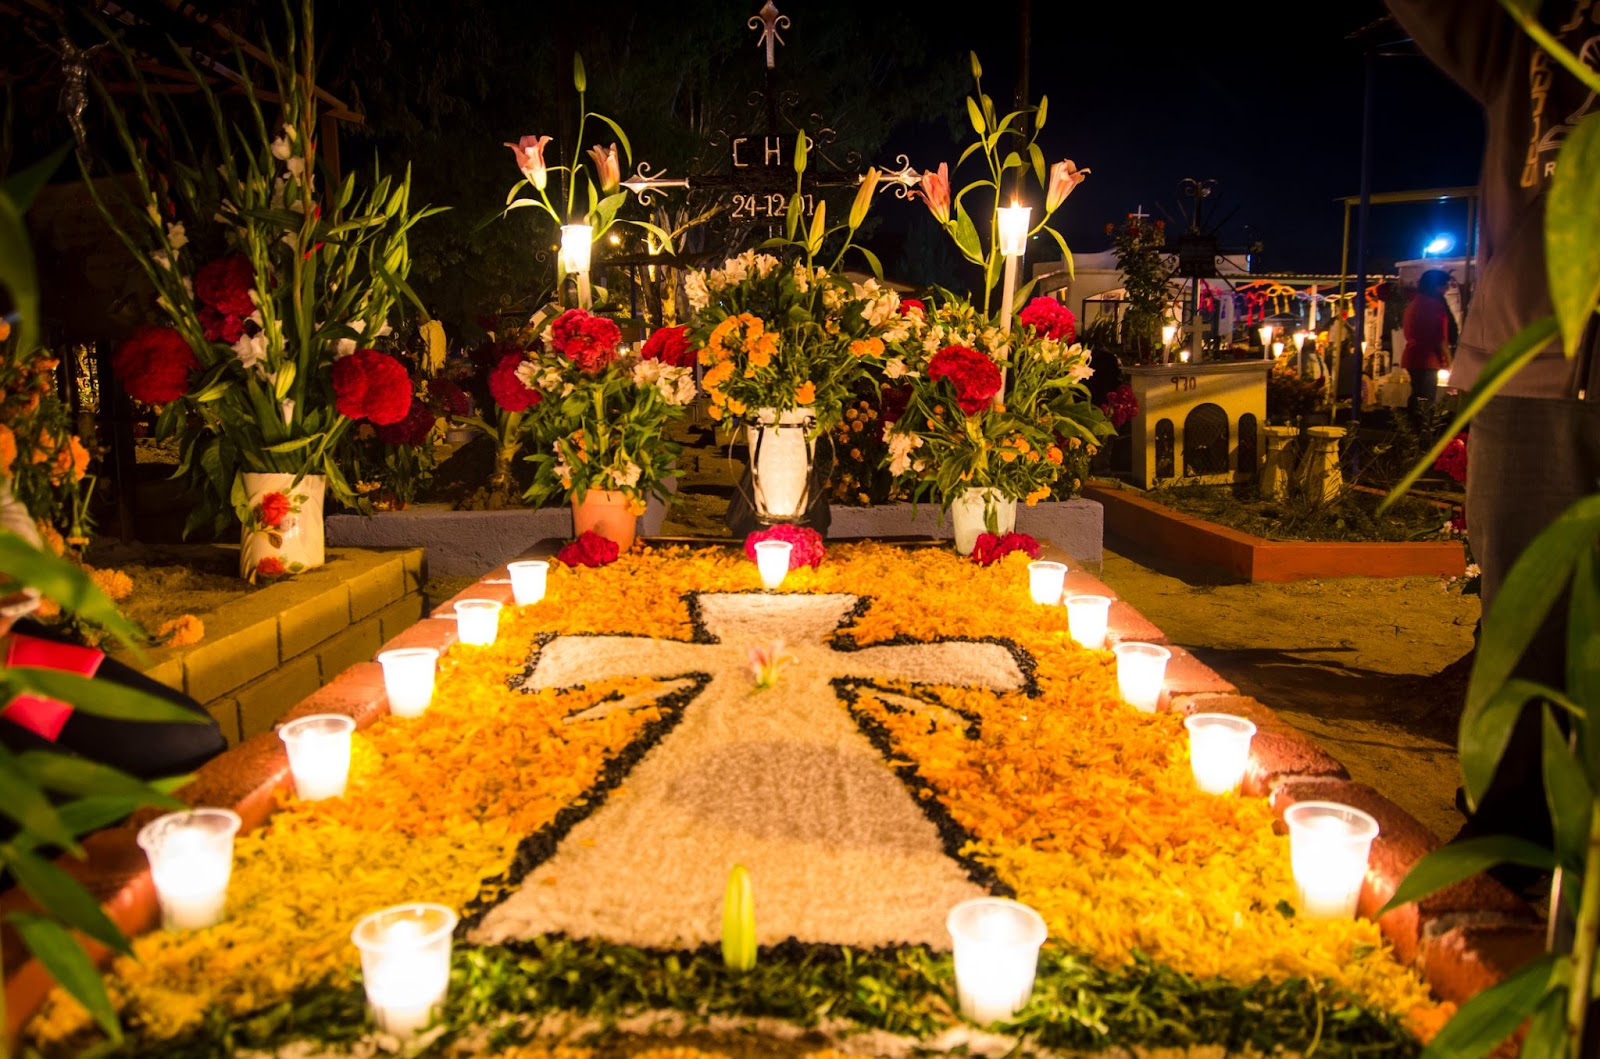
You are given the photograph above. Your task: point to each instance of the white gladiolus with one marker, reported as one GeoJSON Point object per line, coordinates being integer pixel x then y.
{"type": "Point", "coordinates": [251, 350]}
{"type": "Point", "coordinates": [626, 477]}
{"type": "Point", "coordinates": [896, 369]}
{"type": "Point", "coordinates": [177, 238]}
{"type": "Point", "coordinates": [901, 446]}
{"type": "Point", "coordinates": [694, 285]}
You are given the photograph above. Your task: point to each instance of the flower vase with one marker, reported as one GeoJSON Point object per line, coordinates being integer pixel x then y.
{"type": "Point", "coordinates": [280, 525]}
{"type": "Point", "coordinates": [780, 463]}
{"type": "Point", "coordinates": [606, 512]}
{"type": "Point", "coordinates": [978, 511]}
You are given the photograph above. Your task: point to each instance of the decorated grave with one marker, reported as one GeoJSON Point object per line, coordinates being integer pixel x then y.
{"type": "Point", "coordinates": [885, 735]}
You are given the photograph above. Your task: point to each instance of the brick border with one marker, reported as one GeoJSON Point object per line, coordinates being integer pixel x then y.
{"type": "Point", "coordinates": [1462, 939]}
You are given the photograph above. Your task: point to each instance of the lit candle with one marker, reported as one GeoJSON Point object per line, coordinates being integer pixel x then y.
{"type": "Point", "coordinates": [191, 858]}
{"type": "Point", "coordinates": [1014, 229]}
{"type": "Point", "coordinates": [405, 963]}
{"type": "Point", "coordinates": [408, 678]}
{"type": "Point", "coordinates": [1444, 378]}
{"type": "Point", "coordinates": [772, 559]}
{"type": "Point", "coordinates": [1277, 350]}
{"type": "Point", "coordinates": [1183, 356]}
{"type": "Point", "coordinates": [478, 621]}
{"type": "Point", "coordinates": [319, 754]}
{"type": "Point", "coordinates": [577, 242]}
{"type": "Point", "coordinates": [1328, 848]}
{"type": "Point", "coordinates": [996, 953]}
{"type": "Point", "coordinates": [1141, 670]}
{"type": "Point", "coordinates": [1266, 337]}
{"type": "Point", "coordinates": [1086, 620]}
{"type": "Point", "coordinates": [528, 580]}
{"type": "Point", "coordinates": [1219, 750]}
{"type": "Point", "coordinates": [1045, 580]}
{"type": "Point", "coordinates": [1168, 332]}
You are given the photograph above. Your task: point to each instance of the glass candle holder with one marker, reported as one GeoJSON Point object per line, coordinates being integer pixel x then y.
{"type": "Point", "coordinates": [1046, 580]}
{"type": "Point", "coordinates": [1219, 750]}
{"type": "Point", "coordinates": [405, 962]}
{"type": "Point", "coordinates": [408, 674]}
{"type": "Point", "coordinates": [191, 860]}
{"type": "Point", "coordinates": [772, 558]}
{"type": "Point", "coordinates": [478, 621]}
{"type": "Point", "coordinates": [1141, 671]}
{"type": "Point", "coordinates": [319, 754]}
{"type": "Point", "coordinates": [1086, 620]}
{"type": "Point", "coordinates": [1328, 848]}
{"type": "Point", "coordinates": [528, 580]}
{"type": "Point", "coordinates": [996, 953]}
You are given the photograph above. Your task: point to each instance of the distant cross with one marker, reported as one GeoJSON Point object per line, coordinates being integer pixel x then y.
{"type": "Point", "coordinates": [1138, 213]}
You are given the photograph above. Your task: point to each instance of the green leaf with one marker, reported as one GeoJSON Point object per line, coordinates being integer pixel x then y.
{"type": "Point", "coordinates": [1066, 254]}
{"type": "Point", "coordinates": [1494, 1014]}
{"type": "Point", "coordinates": [24, 802]}
{"type": "Point", "coordinates": [85, 778]}
{"type": "Point", "coordinates": [1547, 1030]}
{"type": "Point", "coordinates": [1462, 860]}
{"type": "Point", "coordinates": [17, 274]}
{"type": "Point", "coordinates": [622, 138]}
{"type": "Point", "coordinates": [580, 79]}
{"type": "Point", "coordinates": [23, 186]}
{"type": "Point", "coordinates": [1485, 730]}
{"type": "Point", "coordinates": [975, 116]}
{"type": "Point", "coordinates": [66, 583]}
{"type": "Point", "coordinates": [1568, 794]}
{"type": "Point", "coordinates": [63, 897]}
{"type": "Point", "coordinates": [1572, 231]}
{"type": "Point", "coordinates": [1036, 156]}
{"type": "Point", "coordinates": [69, 965]}
{"type": "Point", "coordinates": [966, 236]}
{"type": "Point", "coordinates": [1583, 654]}
{"type": "Point", "coordinates": [872, 262]}
{"type": "Point", "coordinates": [661, 234]}
{"type": "Point", "coordinates": [98, 698]}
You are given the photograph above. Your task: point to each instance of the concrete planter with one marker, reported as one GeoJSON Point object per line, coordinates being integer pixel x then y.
{"type": "Point", "coordinates": [1074, 526]}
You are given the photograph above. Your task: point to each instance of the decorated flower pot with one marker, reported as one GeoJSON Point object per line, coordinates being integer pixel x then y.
{"type": "Point", "coordinates": [780, 463]}
{"type": "Point", "coordinates": [281, 525]}
{"type": "Point", "coordinates": [606, 512]}
{"type": "Point", "coordinates": [976, 511]}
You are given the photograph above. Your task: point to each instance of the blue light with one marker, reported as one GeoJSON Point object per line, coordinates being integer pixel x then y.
{"type": "Point", "coordinates": [1440, 244]}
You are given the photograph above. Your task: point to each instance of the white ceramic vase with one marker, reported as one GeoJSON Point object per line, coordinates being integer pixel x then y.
{"type": "Point", "coordinates": [281, 525]}
{"type": "Point", "coordinates": [780, 462]}
{"type": "Point", "coordinates": [969, 516]}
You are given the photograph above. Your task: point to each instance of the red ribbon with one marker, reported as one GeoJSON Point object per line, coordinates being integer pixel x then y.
{"type": "Point", "coordinates": [45, 716]}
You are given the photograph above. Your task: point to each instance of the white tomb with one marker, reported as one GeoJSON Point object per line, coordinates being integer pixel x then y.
{"type": "Point", "coordinates": [1193, 417]}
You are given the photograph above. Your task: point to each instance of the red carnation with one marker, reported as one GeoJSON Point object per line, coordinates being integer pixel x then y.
{"type": "Point", "coordinates": [219, 328]}
{"type": "Point", "coordinates": [507, 389]}
{"type": "Point", "coordinates": [991, 549]}
{"type": "Point", "coordinates": [1453, 460]}
{"type": "Point", "coordinates": [1049, 318]}
{"type": "Point", "coordinates": [154, 364]}
{"type": "Point", "coordinates": [975, 377]}
{"type": "Point", "coordinates": [448, 398]}
{"type": "Point", "coordinates": [274, 506]}
{"type": "Point", "coordinates": [805, 544]}
{"type": "Point", "coordinates": [225, 285]}
{"type": "Point", "coordinates": [271, 566]}
{"type": "Point", "coordinates": [908, 305]}
{"type": "Point", "coordinates": [669, 345]}
{"type": "Point", "coordinates": [412, 429]}
{"type": "Point", "coordinates": [591, 549]}
{"type": "Point", "coordinates": [587, 340]}
{"type": "Point", "coordinates": [372, 386]}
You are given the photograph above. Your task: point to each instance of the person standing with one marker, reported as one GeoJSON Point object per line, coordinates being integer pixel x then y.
{"type": "Point", "coordinates": [1427, 331]}
{"type": "Point", "coordinates": [1534, 449]}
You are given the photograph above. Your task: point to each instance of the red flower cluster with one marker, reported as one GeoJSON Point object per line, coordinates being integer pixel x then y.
{"type": "Point", "coordinates": [589, 341]}
{"type": "Point", "coordinates": [154, 364]}
{"type": "Point", "coordinates": [507, 390]}
{"type": "Point", "coordinates": [225, 285]}
{"type": "Point", "coordinates": [412, 429]}
{"type": "Point", "coordinates": [274, 508]}
{"type": "Point", "coordinates": [591, 549]}
{"type": "Point", "coordinates": [671, 345]}
{"type": "Point", "coordinates": [448, 399]}
{"type": "Point", "coordinates": [908, 305]}
{"type": "Point", "coordinates": [271, 566]}
{"type": "Point", "coordinates": [1120, 405]}
{"type": "Point", "coordinates": [991, 549]}
{"type": "Point", "coordinates": [975, 377]}
{"type": "Point", "coordinates": [372, 386]}
{"type": "Point", "coordinates": [220, 328]}
{"type": "Point", "coordinates": [805, 544]}
{"type": "Point", "coordinates": [1453, 460]}
{"type": "Point", "coordinates": [1049, 318]}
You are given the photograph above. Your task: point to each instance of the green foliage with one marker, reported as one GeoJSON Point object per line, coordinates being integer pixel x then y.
{"type": "Point", "coordinates": [1138, 247]}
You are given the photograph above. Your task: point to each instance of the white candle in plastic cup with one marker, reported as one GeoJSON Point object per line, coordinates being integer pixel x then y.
{"type": "Point", "coordinates": [772, 559]}
{"type": "Point", "coordinates": [408, 674]}
{"type": "Point", "coordinates": [1328, 848]}
{"type": "Point", "coordinates": [1444, 378]}
{"type": "Point", "coordinates": [996, 953]}
{"type": "Point", "coordinates": [1219, 750]}
{"type": "Point", "coordinates": [528, 580]}
{"type": "Point", "coordinates": [1086, 620]}
{"type": "Point", "coordinates": [319, 754]}
{"type": "Point", "coordinates": [1045, 581]}
{"type": "Point", "coordinates": [1141, 672]}
{"type": "Point", "coordinates": [405, 962]}
{"type": "Point", "coordinates": [478, 621]}
{"type": "Point", "coordinates": [191, 860]}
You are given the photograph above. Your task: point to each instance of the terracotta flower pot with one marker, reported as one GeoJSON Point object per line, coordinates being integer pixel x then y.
{"type": "Point", "coordinates": [605, 512]}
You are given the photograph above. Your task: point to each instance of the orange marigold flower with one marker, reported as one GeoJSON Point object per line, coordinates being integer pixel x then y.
{"type": "Point", "coordinates": [806, 393]}
{"type": "Point", "coordinates": [182, 631]}
{"type": "Point", "coordinates": [114, 583]}
{"type": "Point", "coordinates": [1037, 495]}
{"type": "Point", "coordinates": [5, 330]}
{"type": "Point", "coordinates": [867, 347]}
{"type": "Point", "coordinates": [8, 450]}
{"type": "Point", "coordinates": [1053, 454]}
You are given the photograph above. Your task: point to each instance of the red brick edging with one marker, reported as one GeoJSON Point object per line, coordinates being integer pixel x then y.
{"type": "Point", "coordinates": [1463, 939]}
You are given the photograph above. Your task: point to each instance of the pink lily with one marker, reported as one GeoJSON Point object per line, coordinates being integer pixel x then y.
{"type": "Point", "coordinates": [935, 191]}
{"type": "Point", "coordinates": [1064, 176]}
{"type": "Point", "coordinates": [765, 662]}
{"type": "Point", "coordinates": [530, 159]}
{"type": "Point", "coordinates": [605, 163]}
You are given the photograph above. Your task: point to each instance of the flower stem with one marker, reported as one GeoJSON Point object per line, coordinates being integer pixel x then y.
{"type": "Point", "coordinates": [1585, 936]}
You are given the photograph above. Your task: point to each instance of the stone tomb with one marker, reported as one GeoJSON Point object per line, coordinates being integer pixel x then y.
{"type": "Point", "coordinates": [1197, 422]}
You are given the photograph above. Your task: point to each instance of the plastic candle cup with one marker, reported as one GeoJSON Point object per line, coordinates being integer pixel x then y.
{"type": "Point", "coordinates": [1328, 848]}
{"type": "Point", "coordinates": [577, 242]}
{"type": "Point", "coordinates": [1086, 620]}
{"type": "Point", "coordinates": [1045, 581]}
{"type": "Point", "coordinates": [528, 580]}
{"type": "Point", "coordinates": [1444, 378]}
{"type": "Point", "coordinates": [772, 558]}
{"type": "Point", "coordinates": [1014, 229]}
{"type": "Point", "coordinates": [408, 677]}
{"type": "Point", "coordinates": [1141, 669]}
{"type": "Point", "coordinates": [191, 859]}
{"type": "Point", "coordinates": [319, 754]}
{"type": "Point", "coordinates": [405, 962]}
{"type": "Point", "coordinates": [996, 952]}
{"type": "Point", "coordinates": [1219, 750]}
{"type": "Point", "coordinates": [478, 621]}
